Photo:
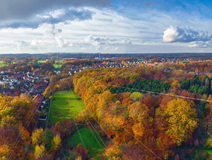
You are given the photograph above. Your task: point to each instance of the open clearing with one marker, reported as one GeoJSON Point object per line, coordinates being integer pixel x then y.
{"type": "Point", "coordinates": [57, 65]}
{"type": "Point", "coordinates": [95, 148]}
{"type": "Point", "coordinates": [65, 105]}
{"type": "Point", "coordinates": [42, 61]}
{"type": "Point", "coordinates": [209, 151]}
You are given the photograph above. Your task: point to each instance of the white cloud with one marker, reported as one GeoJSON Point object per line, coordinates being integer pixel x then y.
{"type": "Point", "coordinates": [22, 45]}
{"type": "Point", "coordinates": [52, 32]}
{"type": "Point", "coordinates": [35, 43]}
{"type": "Point", "coordinates": [109, 29]}
{"type": "Point", "coordinates": [177, 34]}
{"type": "Point", "coordinates": [57, 13]}
{"type": "Point", "coordinates": [95, 43]}
{"type": "Point", "coordinates": [88, 39]}
{"type": "Point", "coordinates": [116, 48]}
{"type": "Point", "coordinates": [126, 41]}
{"type": "Point", "coordinates": [200, 44]}
{"type": "Point", "coordinates": [62, 42]}
{"type": "Point", "coordinates": [44, 17]}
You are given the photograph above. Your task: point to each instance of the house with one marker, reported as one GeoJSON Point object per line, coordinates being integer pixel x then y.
{"type": "Point", "coordinates": [16, 76]}
{"type": "Point", "coordinates": [71, 72]}
{"type": "Point", "coordinates": [37, 91]}
{"type": "Point", "coordinates": [7, 91]}
{"type": "Point", "coordinates": [41, 84]}
{"type": "Point", "coordinates": [35, 74]}
{"type": "Point", "coordinates": [3, 82]}
{"type": "Point", "coordinates": [38, 98]}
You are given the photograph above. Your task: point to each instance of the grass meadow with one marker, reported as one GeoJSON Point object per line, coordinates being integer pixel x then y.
{"type": "Point", "coordinates": [92, 141]}
{"type": "Point", "coordinates": [65, 105]}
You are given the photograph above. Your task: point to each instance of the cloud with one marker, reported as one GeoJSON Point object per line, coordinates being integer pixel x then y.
{"type": "Point", "coordinates": [105, 41]}
{"type": "Point", "coordinates": [116, 48]}
{"type": "Point", "coordinates": [200, 44]}
{"type": "Point", "coordinates": [95, 43]}
{"type": "Point", "coordinates": [62, 42]}
{"type": "Point", "coordinates": [178, 34]}
{"type": "Point", "coordinates": [62, 15]}
{"type": "Point", "coordinates": [35, 43]}
{"type": "Point", "coordinates": [22, 45]}
{"type": "Point", "coordinates": [25, 9]}
{"type": "Point", "coordinates": [52, 32]}
{"type": "Point", "coordinates": [142, 41]}
{"type": "Point", "coordinates": [126, 41]}
{"type": "Point", "coordinates": [6, 47]}
{"type": "Point", "coordinates": [88, 39]}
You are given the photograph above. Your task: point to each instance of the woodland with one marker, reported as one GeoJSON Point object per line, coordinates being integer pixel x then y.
{"type": "Point", "coordinates": [139, 113]}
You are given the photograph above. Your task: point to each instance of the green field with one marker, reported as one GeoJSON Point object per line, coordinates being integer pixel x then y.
{"type": "Point", "coordinates": [2, 64]}
{"type": "Point", "coordinates": [42, 61]}
{"type": "Point", "coordinates": [63, 105]}
{"type": "Point", "coordinates": [209, 151]}
{"type": "Point", "coordinates": [95, 148]}
{"type": "Point", "coordinates": [60, 61]}
{"type": "Point", "coordinates": [57, 65]}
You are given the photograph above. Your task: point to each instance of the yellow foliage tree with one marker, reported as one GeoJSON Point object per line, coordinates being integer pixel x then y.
{"type": "Point", "coordinates": [39, 151]}
{"type": "Point", "coordinates": [38, 137]}
{"type": "Point", "coordinates": [7, 120]}
{"type": "Point", "coordinates": [104, 99]}
{"type": "Point", "coordinates": [57, 141]}
{"type": "Point", "coordinates": [175, 83]}
{"type": "Point", "coordinates": [138, 112]}
{"type": "Point", "coordinates": [79, 158]}
{"type": "Point", "coordinates": [112, 151]}
{"type": "Point", "coordinates": [51, 97]}
{"type": "Point", "coordinates": [182, 119]}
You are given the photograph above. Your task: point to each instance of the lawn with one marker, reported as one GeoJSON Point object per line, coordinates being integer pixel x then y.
{"type": "Point", "coordinates": [65, 105]}
{"type": "Point", "coordinates": [57, 65]}
{"type": "Point", "coordinates": [209, 151]}
{"type": "Point", "coordinates": [60, 61]}
{"type": "Point", "coordinates": [42, 61]}
{"type": "Point", "coordinates": [90, 141]}
{"type": "Point", "coordinates": [2, 64]}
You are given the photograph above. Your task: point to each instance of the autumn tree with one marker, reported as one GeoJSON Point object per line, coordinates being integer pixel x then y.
{"type": "Point", "coordinates": [57, 141]}
{"type": "Point", "coordinates": [81, 152]}
{"type": "Point", "coordinates": [138, 111]}
{"type": "Point", "coordinates": [38, 137]}
{"type": "Point", "coordinates": [58, 129]}
{"type": "Point", "coordinates": [182, 119]}
{"type": "Point", "coordinates": [39, 151]}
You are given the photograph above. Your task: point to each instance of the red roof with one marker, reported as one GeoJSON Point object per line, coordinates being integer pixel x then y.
{"type": "Point", "coordinates": [35, 73]}
{"type": "Point", "coordinates": [17, 76]}
{"type": "Point", "coordinates": [39, 86]}
{"type": "Point", "coordinates": [42, 83]}
{"type": "Point", "coordinates": [38, 98]}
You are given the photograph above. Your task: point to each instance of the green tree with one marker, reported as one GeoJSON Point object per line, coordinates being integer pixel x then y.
{"type": "Point", "coordinates": [137, 95]}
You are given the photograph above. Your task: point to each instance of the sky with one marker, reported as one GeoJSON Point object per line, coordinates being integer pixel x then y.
{"type": "Point", "coordinates": [106, 26]}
